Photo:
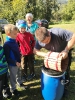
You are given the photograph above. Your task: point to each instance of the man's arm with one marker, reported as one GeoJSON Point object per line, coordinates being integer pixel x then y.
{"type": "Point", "coordinates": [39, 53]}
{"type": "Point", "coordinates": [70, 44]}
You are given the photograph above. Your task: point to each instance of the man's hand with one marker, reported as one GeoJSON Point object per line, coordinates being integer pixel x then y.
{"type": "Point", "coordinates": [64, 54]}
{"type": "Point", "coordinates": [18, 64]}
{"type": "Point", "coordinates": [39, 53]}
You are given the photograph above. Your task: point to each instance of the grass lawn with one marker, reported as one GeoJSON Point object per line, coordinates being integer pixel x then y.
{"type": "Point", "coordinates": [34, 91]}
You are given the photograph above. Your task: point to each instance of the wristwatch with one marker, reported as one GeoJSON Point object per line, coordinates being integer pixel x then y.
{"type": "Point", "coordinates": [66, 50]}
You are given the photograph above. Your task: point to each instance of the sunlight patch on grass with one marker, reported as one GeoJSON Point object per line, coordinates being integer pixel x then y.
{"type": "Point", "coordinates": [23, 98]}
{"type": "Point", "coordinates": [70, 27]}
{"type": "Point", "coordinates": [32, 82]}
{"type": "Point", "coordinates": [35, 87]}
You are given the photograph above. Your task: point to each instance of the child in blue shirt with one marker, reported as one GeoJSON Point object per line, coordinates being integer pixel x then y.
{"type": "Point", "coordinates": [13, 58]}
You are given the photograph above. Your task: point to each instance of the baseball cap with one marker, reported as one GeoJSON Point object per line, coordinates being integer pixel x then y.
{"type": "Point", "coordinates": [21, 23]}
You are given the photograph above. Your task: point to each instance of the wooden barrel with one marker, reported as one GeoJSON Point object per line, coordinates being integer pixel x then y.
{"type": "Point", "coordinates": [55, 62]}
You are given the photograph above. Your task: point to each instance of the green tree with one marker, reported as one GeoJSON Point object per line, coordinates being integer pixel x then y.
{"type": "Point", "coordinates": [6, 9]}
{"type": "Point", "coordinates": [68, 11]}
{"type": "Point", "coordinates": [31, 7]}
{"type": "Point", "coordinates": [17, 9]}
{"type": "Point", "coordinates": [45, 8]}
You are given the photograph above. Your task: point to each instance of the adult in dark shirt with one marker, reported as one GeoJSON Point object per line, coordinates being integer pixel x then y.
{"type": "Point", "coordinates": [55, 40]}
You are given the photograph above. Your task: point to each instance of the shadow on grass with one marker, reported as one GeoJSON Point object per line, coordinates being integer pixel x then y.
{"type": "Point", "coordinates": [32, 93]}
{"type": "Point", "coordinates": [34, 90]}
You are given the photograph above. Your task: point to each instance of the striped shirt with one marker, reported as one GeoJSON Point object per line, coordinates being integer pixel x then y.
{"type": "Point", "coordinates": [3, 62]}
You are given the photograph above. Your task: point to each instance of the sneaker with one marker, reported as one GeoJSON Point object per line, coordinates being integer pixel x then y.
{"type": "Point", "coordinates": [16, 92]}
{"type": "Point", "coordinates": [24, 78]}
{"type": "Point", "coordinates": [7, 94]}
{"type": "Point", "coordinates": [31, 76]}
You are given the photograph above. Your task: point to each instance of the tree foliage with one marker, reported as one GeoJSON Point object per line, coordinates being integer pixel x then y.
{"type": "Point", "coordinates": [68, 11]}
{"type": "Point", "coordinates": [13, 10]}
{"type": "Point", "coordinates": [17, 9]}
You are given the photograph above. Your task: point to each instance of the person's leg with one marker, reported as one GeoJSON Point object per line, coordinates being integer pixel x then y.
{"type": "Point", "coordinates": [19, 79]}
{"type": "Point", "coordinates": [2, 77]}
{"type": "Point", "coordinates": [1, 86]}
{"type": "Point", "coordinates": [13, 73]}
{"type": "Point", "coordinates": [31, 63]}
{"type": "Point", "coordinates": [31, 66]}
{"type": "Point", "coordinates": [1, 97]}
{"type": "Point", "coordinates": [67, 74]}
{"type": "Point", "coordinates": [24, 61]}
{"type": "Point", "coordinates": [6, 88]}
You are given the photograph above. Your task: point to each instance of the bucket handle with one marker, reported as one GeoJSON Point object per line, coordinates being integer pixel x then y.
{"type": "Point", "coordinates": [64, 82]}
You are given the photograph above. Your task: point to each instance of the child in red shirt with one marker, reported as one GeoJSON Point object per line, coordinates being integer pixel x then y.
{"type": "Point", "coordinates": [26, 42]}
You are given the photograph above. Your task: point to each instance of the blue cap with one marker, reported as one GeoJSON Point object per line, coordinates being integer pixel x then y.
{"type": "Point", "coordinates": [21, 24]}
